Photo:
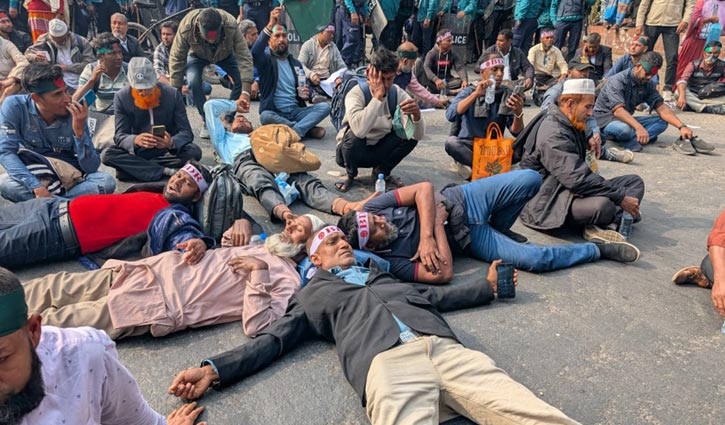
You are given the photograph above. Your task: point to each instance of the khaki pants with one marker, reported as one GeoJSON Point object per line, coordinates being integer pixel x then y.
{"type": "Point", "coordinates": [428, 379]}
{"type": "Point", "coordinates": [69, 300]}
{"type": "Point", "coordinates": [698, 105]}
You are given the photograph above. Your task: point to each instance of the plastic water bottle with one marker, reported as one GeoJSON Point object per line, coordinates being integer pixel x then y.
{"type": "Point", "coordinates": [380, 184]}
{"type": "Point", "coordinates": [301, 79]}
{"type": "Point", "coordinates": [491, 90]}
{"type": "Point", "coordinates": [444, 90]}
{"type": "Point", "coordinates": [258, 239]}
{"type": "Point", "coordinates": [625, 226]}
{"type": "Point", "coordinates": [723, 328]}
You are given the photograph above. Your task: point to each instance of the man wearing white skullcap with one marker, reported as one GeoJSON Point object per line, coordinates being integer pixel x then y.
{"type": "Point", "coordinates": [61, 47]}
{"type": "Point", "coordinates": [572, 193]}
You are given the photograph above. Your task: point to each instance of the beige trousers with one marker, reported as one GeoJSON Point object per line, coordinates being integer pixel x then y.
{"type": "Point", "coordinates": [68, 300]}
{"type": "Point", "coordinates": [698, 105]}
{"type": "Point", "coordinates": [428, 379]}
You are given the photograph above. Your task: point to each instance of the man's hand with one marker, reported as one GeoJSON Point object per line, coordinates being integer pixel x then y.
{"type": "Point", "coordinates": [79, 114]}
{"type": "Point", "coordinates": [185, 89]}
{"type": "Point", "coordinates": [193, 250]}
{"type": "Point", "coordinates": [681, 100]}
{"type": "Point", "coordinates": [164, 142]}
{"type": "Point", "coordinates": [426, 23]}
{"type": "Point", "coordinates": [481, 88]}
{"type": "Point", "coordinates": [442, 102]}
{"type": "Point", "coordinates": [595, 144]}
{"type": "Point", "coordinates": [410, 107]}
{"type": "Point", "coordinates": [441, 214]}
{"type": "Point", "coordinates": [718, 297]}
{"type": "Point", "coordinates": [428, 255]}
{"type": "Point", "coordinates": [439, 84]}
{"type": "Point", "coordinates": [274, 16]}
{"type": "Point", "coordinates": [492, 276]}
{"type": "Point", "coordinates": [245, 263]}
{"type": "Point", "coordinates": [682, 27]}
{"type": "Point", "coordinates": [145, 140]}
{"type": "Point", "coordinates": [460, 14]}
{"type": "Point", "coordinates": [638, 31]}
{"type": "Point", "coordinates": [185, 415]}
{"type": "Point", "coordinates": [8, 82]}
{"type": "Point", "coordinates": [191, 384]}
{"type": "Point", "coordinates": [355, 19]}
{"type": "Point", "coordinates": [375, 82]}
{"type": "Point", "coordinates": [686, 133]}
{"type": "Point", "coordinates": [464, 84]}
{"type": "Point", "coordinates": [97, 72]}
{"type": "Point", "coordinates": [631, 205]}
{"type": "Point", "coordinates": [240, 232]}
{"type": "Point", "coordinates": [243, 103]}
{"type": "Point", "coordinates": [42, 192]}
{"type": "Point", "coordinates": [254, 90]}
{"type": "Point", "coordinates": [515, 102]}
{"type": "Point", "coordinates": [642, 135]}
{"type": "Point", "coordinates": [315, 79]}
{"type": "Point", "coordinates": [303, 92]}
{"type": "Point", "coordinates": [241, 13]}
{"type": "Point", "coordinates": [528, 83]}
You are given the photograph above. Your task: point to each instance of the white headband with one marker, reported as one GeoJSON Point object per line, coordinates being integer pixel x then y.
{"type": "Point", "coordinates": [197, 176]}
{"type": "Point", "coordinates": [321, 235]}
{"type": "Point", "coordinates": [491, 62]}
{"type": "Point", "coordinates": [443, 36]}
{"type": "Point", "coordinates": [363, 229]}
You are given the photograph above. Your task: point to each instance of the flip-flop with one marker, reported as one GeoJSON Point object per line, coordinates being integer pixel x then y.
{"type": "Point", "coordinates": [344, 185]}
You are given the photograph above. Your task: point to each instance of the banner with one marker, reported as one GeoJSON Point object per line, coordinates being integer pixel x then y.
{"type": "Point", "coordinates": [307, 15]}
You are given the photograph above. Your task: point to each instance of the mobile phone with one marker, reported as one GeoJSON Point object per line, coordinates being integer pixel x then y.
{"type": "Point", "coordinates": [158, 130]}
{"type": "Point", "coordinates": [90, 97]}
{"type": "Point", "coordinates": [505, 283]}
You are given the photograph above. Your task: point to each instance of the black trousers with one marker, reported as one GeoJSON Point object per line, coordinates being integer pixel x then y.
{"type": "Point", "coordinates": [600, 210]}
{"type": "Point", "coordinates": [354, 153]}
{"type": "Point", "coordinates": [256, 181]}
{"type": "Point", "coordinates": [461, 150]}
{"type": "Point", "coordinates": [706, 267]}
{"type": "Point", "coordinates": [147, 165]}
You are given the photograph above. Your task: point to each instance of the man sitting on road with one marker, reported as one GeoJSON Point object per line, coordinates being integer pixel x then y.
{"type": "Point", "coordinates": [12, 64]}
{"type": "Point", "coordinates": [577, 70]}
{"type": "Point", "coordinates": [53, 375]}
{"type": "Point", "coordinates": [597, 55]}
{"type": "Point", "coordinates": [620, 95]}
{"type": "Point", "coordinates": [320, 59]}
{"type": "Point", "coordinates": [439, 63]}
{"type": "Point", "coordinates": [106, 76]}
{"type": "Point", "coordinates": [406, 80]}
{"type": "Point", "coordinates": [282, 94]}
{"type": "Point", "coordinates": [407, 227]}
{"type": "Point", "coordinates": [386, 331]}
{"type": "Point", "coordinates": [367, 137]}
{"type": "Point", "coordinates": [153, 137]}
{"type": "Point", "coordinates": [45, 230]}
{"type": "Point", "coordinates": [637, 47]}
{"type": "Point", "coordinates": [20, 39]}
{"type": "Point", "coordinates": [701, 76]}
{"type": "Point", "coordinates": [711, 273]}
{"type": "Point", "coordinates": [549, 64]}
{"type": "Point", "coordinates": [515, 64]}
{"type": "Point", "coordinates": [571, 194]}
{"type": "Point", "coordinates": [476, 115]}
{"type": "Point", "coordinates": [45, 146]}
{"type": "Point", "coordinates": [210, 36]}
{"type": "Point", "coordinates": [129, 44]}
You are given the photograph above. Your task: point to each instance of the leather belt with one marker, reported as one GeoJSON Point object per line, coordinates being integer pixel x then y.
{"type": "Point", "coordinates": [68, 233]}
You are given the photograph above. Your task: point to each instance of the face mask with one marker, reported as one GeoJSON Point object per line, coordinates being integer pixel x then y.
{"type": "Point", "coordinates": [710, 60]}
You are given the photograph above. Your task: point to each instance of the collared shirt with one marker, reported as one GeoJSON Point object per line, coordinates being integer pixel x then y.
{"type": "Point", "coordinates": [623, 89]}
{"type": "Point", "coordinates": [64, 57]}
{"type": "Point", "coordinates": [85, 383]}
{"type": "Point", "coordinates": [321, 66]}
{"type": "Point", "coordinates": [22, 126]}
{"type": "Point", "coordinates": [161, 60]}
{"type": "Point", "coordinates": [550, 62]}
{"type": "Point", "coordinates": [107, 86]}
{"type": "Point", "coordinates": [226, 144]}
{"type": "Point", "coordinates": [506, 66]}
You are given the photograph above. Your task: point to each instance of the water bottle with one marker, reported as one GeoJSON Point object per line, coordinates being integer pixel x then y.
{"type": "Point", "coordinates": [444, 90]}
{"type": "Point", "coordinates": [491, 90]}
{"type": "Point", "coordinates": [258, 239]}
{"type": "Point", "coordinates": [625, 226]}
{"type": "Point", "coordinates": [723, 328]}
{"type": "Point", "coordinates": [380, 184]}
{"type": "Point", "coordinates": [591, 160]}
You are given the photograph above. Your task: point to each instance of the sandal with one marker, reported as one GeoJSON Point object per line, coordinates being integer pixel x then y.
{"type": "Point", "coordinates": [344, 185]}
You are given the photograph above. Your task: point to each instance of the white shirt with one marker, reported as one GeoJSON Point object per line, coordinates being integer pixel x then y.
{"type": "Point", "coordinates": [64, 58]}
{"type": "Point", "coordinates": [85, 383]}
{"type": "Point", "coordinates": [506, 66]}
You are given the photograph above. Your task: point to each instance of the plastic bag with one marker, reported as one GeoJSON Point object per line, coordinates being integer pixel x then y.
{"type": "Point", "coordinates": [289, 191]}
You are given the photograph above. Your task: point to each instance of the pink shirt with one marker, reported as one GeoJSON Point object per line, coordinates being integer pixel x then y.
{"type": "Point", "coordinates": [170, 295]}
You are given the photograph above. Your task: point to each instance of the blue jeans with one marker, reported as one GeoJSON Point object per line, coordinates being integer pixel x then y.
{"type": "Point", "coordinates": [30, 233]}
{"type": "Point", "coordinates": [351, 40]}
{"type": "Point", "coordinates": [301, 120]}
{"type": "Point", "coordinates": [492, 206]}
{"type": "Point", "coordinates": [98, 183]}
{"type": "Point", "coordinates": [195, 71]}
{"type": "Point", "coordinates": [621, 132]}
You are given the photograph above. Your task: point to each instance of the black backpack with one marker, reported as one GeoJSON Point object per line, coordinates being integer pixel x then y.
{"type": "Point", "coordinates": [221, 204]}
{"type": "Point", "coordinates": [349, 81]}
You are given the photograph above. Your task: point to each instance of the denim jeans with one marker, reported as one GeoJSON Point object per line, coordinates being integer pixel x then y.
{"type": "Point", "coordinates": [98, 183]}
{"type": "Point", "coordinates": [492, 206]}
{"type": "Point", "coordinates": [351, 37]}
{"type": "Point", "coordinates": [195, 72]}
{"type": "Point", "coordinates": [30, 234]}
{"type": "Point", "coordinates": [301, 120]}
{"type": "Point", "coordinates": [621, 132]}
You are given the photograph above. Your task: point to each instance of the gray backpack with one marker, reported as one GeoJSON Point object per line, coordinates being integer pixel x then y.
{"type": "Point", "coordinates": [221, 204]}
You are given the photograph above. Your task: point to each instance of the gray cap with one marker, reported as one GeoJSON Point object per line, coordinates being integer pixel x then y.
{"type": "Point", "coordinates": [141, 74]}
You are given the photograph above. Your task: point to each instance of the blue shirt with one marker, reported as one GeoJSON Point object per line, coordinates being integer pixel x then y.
{"type": "Point", "coordinates": [472, 126]}
{"type": "Point", "coordinates": [624, 63]}
{"type": "Point", "coordinates": [358, 276]}
{"type": "Point", "coordinates": [22, 126]}
{"type": "Point", "coordinates": [285, 95]}
{"type": "Point", "coordinates": [226, 144]}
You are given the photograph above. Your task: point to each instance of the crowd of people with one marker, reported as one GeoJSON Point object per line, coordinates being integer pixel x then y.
{"type": "Point", "coordinates": [70, 104]}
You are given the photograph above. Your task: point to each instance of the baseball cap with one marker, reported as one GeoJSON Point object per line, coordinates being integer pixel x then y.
{"type": "Point", "coordinates": [576, 63]}
{"type": "Point", "coordinates": [141, 74]}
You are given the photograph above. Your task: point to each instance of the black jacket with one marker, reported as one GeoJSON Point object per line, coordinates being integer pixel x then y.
{"type": "Point", "coordinates": [557, 152]}
{"type": "Point", "coordinates": [602, 62]}
{"type": "Point", "coordinates": [132, 49]}
{"type": "Point", "coordinates": [356, 318]}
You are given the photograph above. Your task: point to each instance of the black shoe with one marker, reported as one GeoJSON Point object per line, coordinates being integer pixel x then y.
{"type": "Point", "coordinates": [516, 237]}
{"type": "Point", "coordinates": [623, 252]}
{"type": "Point", "coordinates": [701, 146]}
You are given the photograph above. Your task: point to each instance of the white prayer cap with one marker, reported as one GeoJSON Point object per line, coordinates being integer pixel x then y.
{"type": "Point", "coordinates": [57, 28]}
{"type": "Point", "coordinates": [317, 222]}
{"type": "Point", "coordinates": [579, 86]}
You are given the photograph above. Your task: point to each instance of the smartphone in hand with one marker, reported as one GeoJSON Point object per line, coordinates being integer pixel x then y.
{"type": "Point", "coordinates": [90, 98]}
{"type": "Point", "coordinates": [158, 131]}
{"type": "Point", "coordinates": [505, 283]}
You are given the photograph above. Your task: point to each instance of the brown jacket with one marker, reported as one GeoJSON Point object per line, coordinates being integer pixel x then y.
{"type": "Point", "coordinates": [187, 41]}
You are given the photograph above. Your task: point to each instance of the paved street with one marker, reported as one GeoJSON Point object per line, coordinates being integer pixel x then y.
{"type": "Point", "coordinates": [606, 343]}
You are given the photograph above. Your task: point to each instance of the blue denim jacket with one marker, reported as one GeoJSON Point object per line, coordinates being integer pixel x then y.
{"type": "Point", "coordinates": [22, 126]}
{"type": "Point", "coordinates": [173, 225]}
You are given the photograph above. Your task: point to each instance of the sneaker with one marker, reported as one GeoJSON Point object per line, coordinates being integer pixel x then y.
{"type": "Point", "coordinates": [691, 276]}
{"type": "Point", "coordinates": [516, 237]}
{"type": "Point", "coordinates": [618, 155]}
{"type": "Point", "coordinates": [667, 96]}
{"type": "Point", "coordinates": [623, 252]}
{"type": "Point", "coordinates": [316, 132]}
{"type": "Point", "coordinates": [204, 132]}
{"type": "Point", "coordinates": [463, 170]}
{"type": "Point", "coordinates": [701, 146]}
{"type": "Point", "coordinates": [595, 234]}
{"type": "Point", "coordinates": [684, 147]}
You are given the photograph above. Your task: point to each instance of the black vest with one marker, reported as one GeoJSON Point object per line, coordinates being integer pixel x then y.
{"type": "Point", "coordinates": [403, 79]}
{"type": "Point", "coordinates": [699, 79]}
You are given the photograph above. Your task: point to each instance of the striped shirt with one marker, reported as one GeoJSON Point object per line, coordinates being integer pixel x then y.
{"type": "Point", "coordinates": [107, 87]}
